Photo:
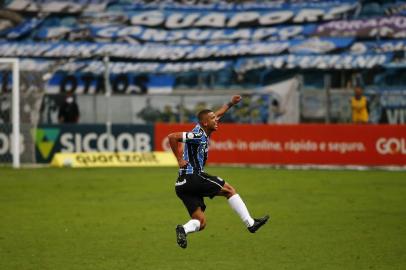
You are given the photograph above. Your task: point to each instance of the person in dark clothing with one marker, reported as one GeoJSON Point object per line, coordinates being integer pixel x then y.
{"type": "Point", "coordinates": [69, 110]}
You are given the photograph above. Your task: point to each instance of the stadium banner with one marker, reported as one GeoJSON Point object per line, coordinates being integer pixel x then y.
{"type": "Point", "coordinates": [98, 67]}
{"type": "Point", "coordinates": [396, 9]}
{"type": "Point", "coordinates": [77, 138]}
{"type": "Point", "coordinates": [169, 52]}
{"type": "Point", "coordinates": [194, 35]}
{"type": "Point", "coordinates": [114, 159]}
{"type": "Point", "coordinates": [51, 139]}
{"type": "Point", "coordinates": [25, 27]}
{"type": "Point", "coordinates": [55, 6]}
{"type": "Point", "coordinates": [383, 27]}
{"type": "Point", "coordinates": [192, 18]}
{"type": "Point", "coordinates": [54, 33]}
{"type": "Point", "coordinates": [214, 5]}
{"type": "Point", "coordinates": [364, 145]}
{"type": "Point", "coordinates": [333, 61]}
{"type": "Point", "coordinates": [392, 105]}
{"type": "Point", "coordinates": [378, 46]}
{"type": "Point", "coordinates": [123, 83]}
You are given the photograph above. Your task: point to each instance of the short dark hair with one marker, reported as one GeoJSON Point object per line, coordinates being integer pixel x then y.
{"type": "Point", "coordinates": [202, 114]}
{"type": "Point", "coordinates": [358, 87]}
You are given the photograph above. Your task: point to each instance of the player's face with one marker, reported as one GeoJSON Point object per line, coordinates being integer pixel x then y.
{"type": "Point", "coordinates": [212, 121]}
{"type": "Point", "coordinates": [358, 92]}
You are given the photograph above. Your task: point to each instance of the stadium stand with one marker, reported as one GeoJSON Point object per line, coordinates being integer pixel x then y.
{"type": "Point", "coordinates": [194, 46]}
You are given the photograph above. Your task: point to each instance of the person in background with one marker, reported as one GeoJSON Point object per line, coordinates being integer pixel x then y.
{"type": "Point", "coordinates": [149, 113]}
{"type": "Point", "coordinates": [69, 110]}
{"type": "Point", "coordinates": [359, 106]}
{"type": "Point", "coordinates": [168, 116]}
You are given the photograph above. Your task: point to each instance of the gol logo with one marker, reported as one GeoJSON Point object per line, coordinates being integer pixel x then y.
{"type": "Point", "coordinates": [391, 146]}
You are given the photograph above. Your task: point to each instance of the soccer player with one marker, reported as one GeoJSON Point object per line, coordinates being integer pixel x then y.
{"type": "Point", "coordinates": [193, 183]}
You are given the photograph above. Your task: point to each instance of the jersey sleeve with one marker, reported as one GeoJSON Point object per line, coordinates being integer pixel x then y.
{"type": "Point", "coordinates": [192, 137]}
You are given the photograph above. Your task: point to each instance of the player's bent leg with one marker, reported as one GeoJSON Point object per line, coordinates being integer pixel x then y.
{"type": "Point", "coordinates": [198, 222]}
{"type": "Point", "coordinates": [227, 191]}
{"type": "Point", "coordinates": [238, 205]}
{"type": "Point", "coordinates": [198, 214]}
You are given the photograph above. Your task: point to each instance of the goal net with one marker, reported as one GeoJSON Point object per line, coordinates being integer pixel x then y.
{"type": "Point", "coordinates": [20, 99]}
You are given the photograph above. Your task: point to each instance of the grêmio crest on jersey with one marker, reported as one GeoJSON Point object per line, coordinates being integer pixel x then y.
{"type": "Point", "coordinates": [195, 150]}
{"type": "Point", "coordinates": [193, 135]}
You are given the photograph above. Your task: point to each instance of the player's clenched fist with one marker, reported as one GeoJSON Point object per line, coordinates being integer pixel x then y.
{"type": "Point", "coordinates": [235, 99]}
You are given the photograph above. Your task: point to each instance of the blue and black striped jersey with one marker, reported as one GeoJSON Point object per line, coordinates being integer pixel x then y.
{"type": "Point", "coordinates": [195, 150]}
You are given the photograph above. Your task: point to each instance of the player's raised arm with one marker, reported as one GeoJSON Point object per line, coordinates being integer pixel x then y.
{"type": "Point", "coordinates": [234, 100]}
{"type": "Point", "coordinates": [175, 141]}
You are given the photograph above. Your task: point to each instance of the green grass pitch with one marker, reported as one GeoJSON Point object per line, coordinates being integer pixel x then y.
{"type": "Point", "coordinates": [125, 219]}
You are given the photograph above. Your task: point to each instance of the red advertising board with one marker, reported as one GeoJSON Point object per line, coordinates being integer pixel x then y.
{"type": "Point", "coordinates": [371, 145]}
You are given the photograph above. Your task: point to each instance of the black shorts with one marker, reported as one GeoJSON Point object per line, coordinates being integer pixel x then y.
{"type": "Point", "coordinates": [191, 188]}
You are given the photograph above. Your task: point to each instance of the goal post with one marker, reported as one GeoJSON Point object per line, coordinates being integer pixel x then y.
{"type": "Point", "coordinates": [15, 109]}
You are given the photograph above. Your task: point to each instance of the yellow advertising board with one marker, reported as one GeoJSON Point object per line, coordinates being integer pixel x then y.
{"type": "Point", "coordinates": [112, 159]}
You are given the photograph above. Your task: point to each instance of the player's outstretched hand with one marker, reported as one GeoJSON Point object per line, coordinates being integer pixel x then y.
{"type": "Point", "coordinates": [235, 99]}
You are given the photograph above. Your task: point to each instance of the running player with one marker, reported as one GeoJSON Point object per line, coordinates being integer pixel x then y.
{"type": "Point", "coordinates": [193, 184]}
